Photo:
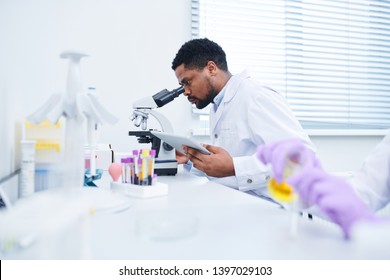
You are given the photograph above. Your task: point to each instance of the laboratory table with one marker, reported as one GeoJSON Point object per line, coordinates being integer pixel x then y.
{"type": "Point", "coordinates": [197, 220]}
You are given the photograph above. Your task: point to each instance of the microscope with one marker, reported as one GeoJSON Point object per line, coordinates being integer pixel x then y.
{"type": "Point", "coordinates": [165, 161]}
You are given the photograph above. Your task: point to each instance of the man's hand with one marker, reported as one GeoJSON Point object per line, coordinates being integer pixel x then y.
{"type": "Point", "coordinates": [218, 164]}
{"type": "Point", "coordinates": [181, 158]}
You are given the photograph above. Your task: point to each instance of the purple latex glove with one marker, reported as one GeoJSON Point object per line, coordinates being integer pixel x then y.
{"type": "Point", "coordinates": [279, 153]}
{"type": "Point", "coordinates": [313, 185]}
{"type": "Point", "coordinates": [333, 195]}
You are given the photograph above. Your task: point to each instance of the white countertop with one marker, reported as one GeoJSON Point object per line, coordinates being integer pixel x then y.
{"type": "Point", "coordinates": [198, 219]}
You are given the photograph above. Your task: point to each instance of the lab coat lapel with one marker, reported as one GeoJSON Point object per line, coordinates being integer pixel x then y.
{"type": "Point", "coordinates": [230, 91]}
{"type": "Point", "coordinates": [215, 116]}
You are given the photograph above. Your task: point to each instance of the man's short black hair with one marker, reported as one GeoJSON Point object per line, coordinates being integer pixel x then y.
{"type": "Point", "coordinates": [196, 53]}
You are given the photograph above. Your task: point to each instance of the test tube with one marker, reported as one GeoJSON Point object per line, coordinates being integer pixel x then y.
{"type": "Point", "coordinates": [139, 171]}
{"type": "Point", "coordinates": [123, 164]}
{"type": "Point", "coordinates": [132, 170]}
{"type": "Point", "coordinates": [135, 155]}
{"type": "Point", "coordinates": [151, 166]}
{"type": "Point", "coordinates": [136, 169]}
{"type": "Point", "coordinates": [286, 194]}
{"type": "Point", "coordinates": [145, 166]}
{"type": "Point", "coordinates": [128, 174]}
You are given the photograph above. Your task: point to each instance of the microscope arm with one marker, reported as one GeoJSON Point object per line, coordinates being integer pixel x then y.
{"type": "Point", "coordinates": [145, 103]}
{"type": "Point", "coordinates": [164, 122]}
{"type": "Point", "coordinates": [143, 107]}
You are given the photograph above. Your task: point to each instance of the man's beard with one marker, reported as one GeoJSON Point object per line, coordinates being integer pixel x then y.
{"type": "Point", "coordinates": [209, 98]}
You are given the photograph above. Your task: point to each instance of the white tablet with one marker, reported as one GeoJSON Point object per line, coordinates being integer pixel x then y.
{"type": "Point", "coordinates": [177, 141]}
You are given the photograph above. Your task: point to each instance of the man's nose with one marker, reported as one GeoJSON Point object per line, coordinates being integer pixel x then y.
{"type": "Point", "coordinates": [186, 91]}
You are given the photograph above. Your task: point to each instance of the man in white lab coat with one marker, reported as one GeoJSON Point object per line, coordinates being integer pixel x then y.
{"type": "Point", "coordinates": [244, 114]}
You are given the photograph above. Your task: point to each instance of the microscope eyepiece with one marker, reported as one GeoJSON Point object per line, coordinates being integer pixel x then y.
{"type": "Point", "coordinates": [163, 97]}
{"type": "Point", "coordinates": [176, 92]}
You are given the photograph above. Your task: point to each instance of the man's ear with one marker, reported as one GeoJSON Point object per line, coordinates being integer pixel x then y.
{"type": "Point", "coordinates": [211, 67]}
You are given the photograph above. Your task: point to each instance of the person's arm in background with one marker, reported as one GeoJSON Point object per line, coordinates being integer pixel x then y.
{"type": "Point", "coordinates": [372, 181]}
{"type": "Point", "coordinates": [333, 195]}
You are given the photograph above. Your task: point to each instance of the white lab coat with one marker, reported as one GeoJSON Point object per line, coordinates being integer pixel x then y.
{"type": "Point", "coordinates": [372, 180]}
{"type": "Point", "coordinates": [251, 115]}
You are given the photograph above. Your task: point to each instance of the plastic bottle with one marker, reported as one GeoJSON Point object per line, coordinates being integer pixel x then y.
{"type": "Point", "coordinates": [48, 139]}
{"type": "Point", "coordinates": [27, 168]}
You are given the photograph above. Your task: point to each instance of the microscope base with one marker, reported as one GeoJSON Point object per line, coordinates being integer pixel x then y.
{"type": "Point", "coordinates": [165, 167]}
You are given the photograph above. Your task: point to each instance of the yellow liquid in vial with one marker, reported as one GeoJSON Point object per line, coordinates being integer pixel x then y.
{"type": "Point", "coordinates": [281, 191]}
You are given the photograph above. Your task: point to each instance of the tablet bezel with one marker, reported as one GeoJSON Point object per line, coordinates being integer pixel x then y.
{"type": "Point", "coordinates": [177, 141]}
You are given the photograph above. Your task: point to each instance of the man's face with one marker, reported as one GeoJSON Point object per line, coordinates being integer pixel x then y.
{"type": "Point", "coordinates": [197, 85]}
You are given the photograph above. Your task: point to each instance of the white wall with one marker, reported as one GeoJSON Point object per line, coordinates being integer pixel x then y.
{"type": "Point", "coordinates": [344, 153]}
{"type": "Point", "coordinates": [131, 43]}
{"type": "Point", "coordinates": [131, 46]}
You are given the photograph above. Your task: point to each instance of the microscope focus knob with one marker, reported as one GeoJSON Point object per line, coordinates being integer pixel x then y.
{"type": "Point", "coordinates": [167, 147]}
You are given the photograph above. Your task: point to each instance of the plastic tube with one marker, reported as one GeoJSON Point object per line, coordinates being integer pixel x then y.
{"type": "Point", "coordinates": [285, 194]}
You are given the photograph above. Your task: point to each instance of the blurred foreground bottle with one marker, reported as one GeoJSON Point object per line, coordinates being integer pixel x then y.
{"type": "Point", "coordinates": [48, 139]}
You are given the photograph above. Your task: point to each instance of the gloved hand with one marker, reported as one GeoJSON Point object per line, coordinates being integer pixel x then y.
{"type": "Point", "coordinates": [314, 186]}
{"type": "Point", "coordinates": [333, 195]}
{"type": "Point", "coordinates": [278, 154]}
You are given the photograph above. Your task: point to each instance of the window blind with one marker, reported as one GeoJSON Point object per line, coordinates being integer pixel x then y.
{"type": "Point", "coordinates": [331, 59]}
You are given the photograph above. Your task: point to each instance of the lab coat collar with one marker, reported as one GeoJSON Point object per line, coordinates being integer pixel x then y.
{"type": "Point", "coordinates": [230, 90]}
{"type": "Point", "coordinates": [232, 85]}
